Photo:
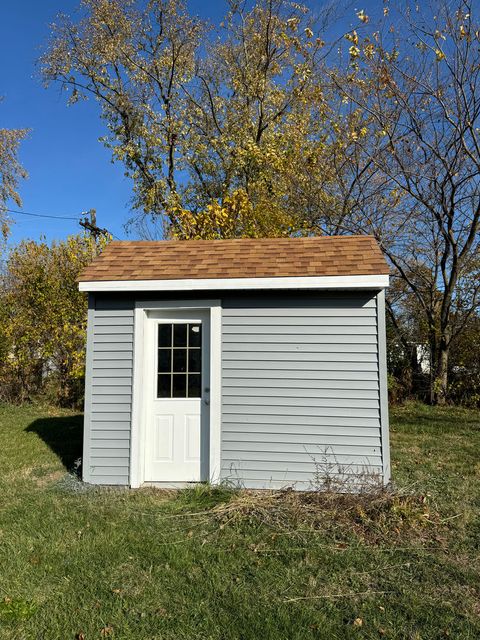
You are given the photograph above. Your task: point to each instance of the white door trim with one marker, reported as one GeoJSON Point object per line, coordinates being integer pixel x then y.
{"type": "Point", "coordinates": [139, 401]}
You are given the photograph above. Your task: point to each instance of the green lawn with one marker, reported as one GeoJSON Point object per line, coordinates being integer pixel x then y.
{"type": "Point", "coordinates": [77, 562]}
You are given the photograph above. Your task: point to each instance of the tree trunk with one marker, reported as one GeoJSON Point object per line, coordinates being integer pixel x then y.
{"type": "Point", "coordinates": [417, 384]}
{"type": "Point", "coordinates": [439, 371]}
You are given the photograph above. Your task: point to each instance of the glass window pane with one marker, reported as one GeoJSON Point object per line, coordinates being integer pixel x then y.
{"type": "Point", "coordinates": [179, 335]}
{"type": "Point", "coordinates": [164, 360]}
{"type": "Point", "coordinates": [179, 360]}
{"type": "Point", "coordinates": [194, 335]}
{"type": "Point", "coordinates": [194, 384]}
{"type": "Point", "coordinates": [164, 384]}
{"type": "Point", "coordinates": [179, 387]}
{"type": "Point", "coordinates": [164, 335]}
{"type": "Point", "coordinates": [194, 360]}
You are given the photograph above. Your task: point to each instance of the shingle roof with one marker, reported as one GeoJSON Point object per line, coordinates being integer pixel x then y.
{"type": "Point", "coordinates": [243, 258]}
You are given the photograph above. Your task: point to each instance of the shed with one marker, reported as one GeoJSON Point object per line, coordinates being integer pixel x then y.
{"type": "Point", "coordinates": [258, 362]}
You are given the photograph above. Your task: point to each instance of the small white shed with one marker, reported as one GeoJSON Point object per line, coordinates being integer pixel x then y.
{"type": "Point", "coordinates": [256, 362]}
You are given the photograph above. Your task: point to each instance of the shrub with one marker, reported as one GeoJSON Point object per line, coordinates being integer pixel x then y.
{"type": "Point", "coordinates": [43, 320]}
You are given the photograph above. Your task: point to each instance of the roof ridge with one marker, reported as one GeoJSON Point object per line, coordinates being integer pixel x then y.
{"type": "Point", "coordinates": [246, 240]}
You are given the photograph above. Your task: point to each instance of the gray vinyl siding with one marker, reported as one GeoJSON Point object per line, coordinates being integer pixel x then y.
{"type": "Point", "coordinates": [108, 399]}
{"type": "Point", "coordinates": [303, 387]}
{"type": "Point", "coordinates": [300, 388]}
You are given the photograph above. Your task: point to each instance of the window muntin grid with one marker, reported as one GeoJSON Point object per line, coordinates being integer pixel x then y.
{"type": "Point", "coordinates": [179, 360]}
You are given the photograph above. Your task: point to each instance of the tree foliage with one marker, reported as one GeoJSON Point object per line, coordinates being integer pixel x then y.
{"type": "Point", "coordinates": [43, 320]}
{"type": "Point", "coordinates": [11, 171]}
{"type": "Point", "coordinates": [199, 118]}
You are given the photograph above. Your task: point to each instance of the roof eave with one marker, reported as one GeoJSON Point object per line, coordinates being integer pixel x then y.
{"type": "Point", "coordinates": [352, 282]}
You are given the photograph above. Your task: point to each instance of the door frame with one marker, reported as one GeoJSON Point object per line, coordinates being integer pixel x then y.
{"type": "Point", "coordinates": [169, 472]}
{"type": "Point", "coordinates": [139, 392]}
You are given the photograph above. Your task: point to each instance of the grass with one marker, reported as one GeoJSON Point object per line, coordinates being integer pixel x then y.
{"type": "Point", "coordinates": [77, 562]}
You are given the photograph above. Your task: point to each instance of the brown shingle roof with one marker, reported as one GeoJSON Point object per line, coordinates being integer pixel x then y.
{"type": "Point", "coordinates": [245, 258]}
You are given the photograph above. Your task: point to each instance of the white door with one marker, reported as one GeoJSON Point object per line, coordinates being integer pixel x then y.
{"type": "Point", "coordinates": [178, 387]}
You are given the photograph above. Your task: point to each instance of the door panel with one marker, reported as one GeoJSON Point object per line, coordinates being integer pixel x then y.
{"type": "Point", "coordinates": [163, 437]}
{"type": "Point", "coordinates": [192, 438]}
{"type": "Point", "coordinates": [177, 418]}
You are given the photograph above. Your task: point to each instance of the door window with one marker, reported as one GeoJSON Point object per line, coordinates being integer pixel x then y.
{"type": "Point", "coordinates": [179, 360]}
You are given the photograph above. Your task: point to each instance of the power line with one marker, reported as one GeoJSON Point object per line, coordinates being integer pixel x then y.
{"type": "Point", "coordinates": [43, 215]}
{"type": "Point", "coordinates": [81, 219]}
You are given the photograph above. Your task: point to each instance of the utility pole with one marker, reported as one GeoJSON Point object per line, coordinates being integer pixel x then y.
{"type": "Point", "coordinates": [89, 223]}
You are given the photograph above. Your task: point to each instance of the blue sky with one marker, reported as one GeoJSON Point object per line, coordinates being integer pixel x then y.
{"type": "Point", "coordinates": [69, 170]}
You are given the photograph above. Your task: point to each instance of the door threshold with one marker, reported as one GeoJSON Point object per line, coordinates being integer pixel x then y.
{"type": "Point", "coordinates": [173, 485]}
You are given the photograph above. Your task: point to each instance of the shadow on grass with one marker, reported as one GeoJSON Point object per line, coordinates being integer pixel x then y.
{"type": "Point", "coordinates": [64, 436]}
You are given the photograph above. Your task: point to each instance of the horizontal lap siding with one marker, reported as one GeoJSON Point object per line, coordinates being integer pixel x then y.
{"type": "Point", "coordinates": [111, 392]}
{"type": "Point", "coordinates": [300, 388]}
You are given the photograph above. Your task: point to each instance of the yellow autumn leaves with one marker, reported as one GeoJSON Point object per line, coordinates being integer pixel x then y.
{"type": "Point", "coordinates": [234, 217]}
{"type": "Point", "coordinates": [43, 319]}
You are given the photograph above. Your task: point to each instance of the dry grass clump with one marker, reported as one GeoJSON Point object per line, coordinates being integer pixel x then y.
{"type": "Point", "coordinates": [372, 517]}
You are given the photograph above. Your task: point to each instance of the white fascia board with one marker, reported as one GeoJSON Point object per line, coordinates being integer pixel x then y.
{"type": "Point", "coordinates": [236, 284]}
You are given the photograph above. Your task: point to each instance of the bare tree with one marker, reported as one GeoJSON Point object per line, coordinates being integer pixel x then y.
{"type": "Point", "coordinates": [410, 173]}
